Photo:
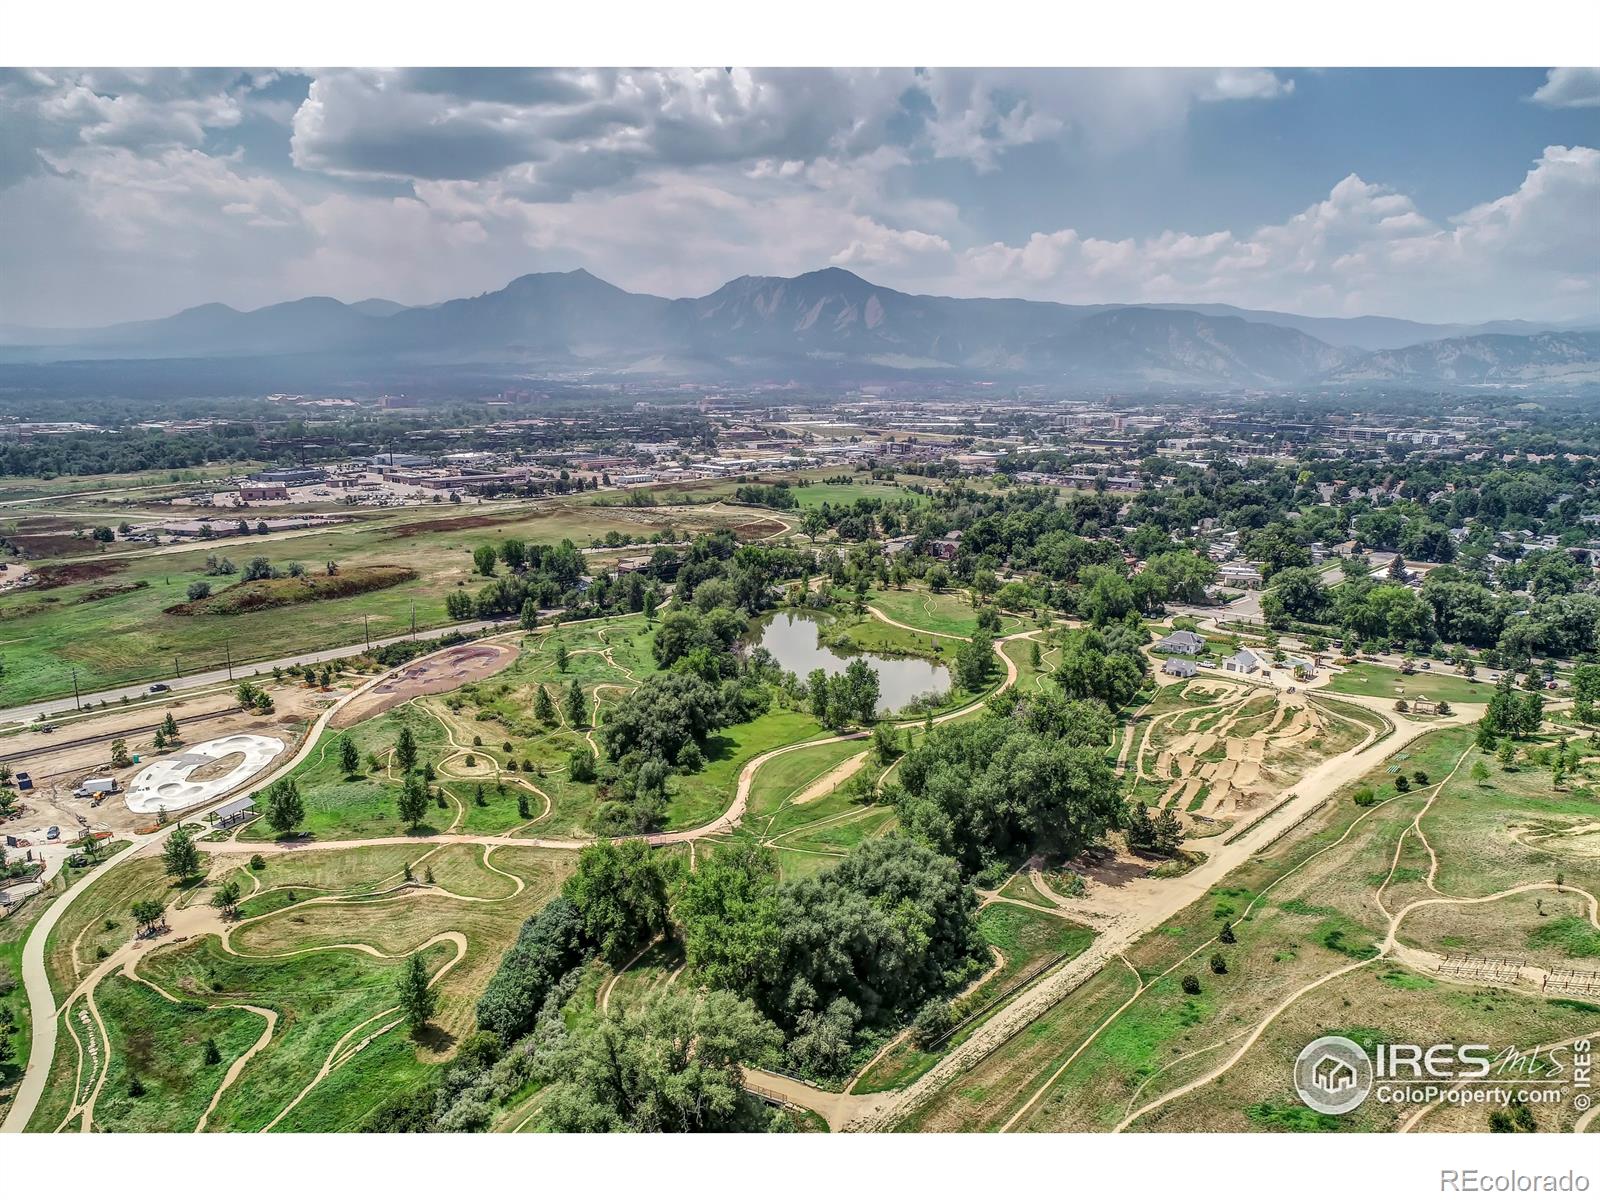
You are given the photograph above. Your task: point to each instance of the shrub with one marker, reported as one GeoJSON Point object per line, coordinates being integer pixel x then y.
{"type": "Point", "coordinates": [933, 1020]}
{"type": "Point", "coordinates": [1190, 985]}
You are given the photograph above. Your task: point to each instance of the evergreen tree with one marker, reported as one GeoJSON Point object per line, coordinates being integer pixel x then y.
{"type": "Point", "coordinates": [416, 997]}
{"type": "Point", "coordinates": [405, 750]}
{"type": "Point", "coordinates": [413, 801]}
{"type": "Point", "coordinates": [543, 711]}
{"type": "Point", "coordinates": [349, 757]}
{"type": "Point", "coordinates": [575, 703]}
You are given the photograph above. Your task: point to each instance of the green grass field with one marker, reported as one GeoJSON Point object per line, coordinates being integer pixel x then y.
{"type": "Point", "coordinates": [324, 956]}
{"type": "Point", "coordinates": [1374, 679]}
{"type": "Point", "coordinates": [127, 636]}
{"type": "Point", "coordinates": [948, 612]}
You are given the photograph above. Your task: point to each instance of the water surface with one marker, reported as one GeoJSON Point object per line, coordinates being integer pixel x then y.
{"type": "Point", "coordinates": [791, 638]}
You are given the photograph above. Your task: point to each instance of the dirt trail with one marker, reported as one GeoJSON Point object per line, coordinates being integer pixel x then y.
{"type": "Point", "coordinates": [887, 620]}
{"type": "Point", "coordinates": [342, 1052]}
{"type": "Point", "coordinates": [827, 783]}
{"type": "Point", "coordinates": [1391, 948]}
{"type": "Point", "coordinates": [1146, 903]}
{"type": "Point", "coordinates": [240, 1063]}
{"type": "Point", "coordinates": [34, 976]}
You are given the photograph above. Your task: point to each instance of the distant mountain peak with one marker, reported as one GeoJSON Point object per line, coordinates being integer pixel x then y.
{"type": "Point", "coordinates": [832, 324]}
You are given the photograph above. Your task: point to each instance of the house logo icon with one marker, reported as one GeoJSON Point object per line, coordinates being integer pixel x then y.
{"type": "Point", "coordinates": [1333, 1075]}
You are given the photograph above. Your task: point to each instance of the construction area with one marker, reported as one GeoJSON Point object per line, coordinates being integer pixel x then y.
{"type": "Point", "coordinates": [221, 746]}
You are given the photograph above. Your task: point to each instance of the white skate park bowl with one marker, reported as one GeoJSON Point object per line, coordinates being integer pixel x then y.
{"type": "Point", "coordinates": [165, 783]}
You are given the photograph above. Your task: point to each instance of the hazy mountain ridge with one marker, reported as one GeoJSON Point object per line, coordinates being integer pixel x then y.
{"type": "Point", "coordinates": [1485, 359]}
{"type": "Point", "coordinates": [833, 323]}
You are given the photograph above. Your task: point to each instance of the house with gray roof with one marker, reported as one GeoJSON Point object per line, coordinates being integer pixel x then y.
{"type": "Point", "coordinates": [1182, 641]}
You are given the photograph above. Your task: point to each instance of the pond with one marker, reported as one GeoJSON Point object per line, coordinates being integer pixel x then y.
{"type": "Point", "coordinates": [791, 638]}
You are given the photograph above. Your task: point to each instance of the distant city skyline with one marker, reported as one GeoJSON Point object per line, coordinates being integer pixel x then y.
{"type": "Point", "coordinates": [1449, 195]}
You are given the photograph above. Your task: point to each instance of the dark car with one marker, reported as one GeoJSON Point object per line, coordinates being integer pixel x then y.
{"type": "Point", "coordinates": [160, 687]}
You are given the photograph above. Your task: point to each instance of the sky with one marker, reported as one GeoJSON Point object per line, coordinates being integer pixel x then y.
{"type": "Point", "coordinates": [1438, 194]}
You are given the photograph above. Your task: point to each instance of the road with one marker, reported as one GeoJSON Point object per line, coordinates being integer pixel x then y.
{"type": "Point", "coordinates": [26, 713]}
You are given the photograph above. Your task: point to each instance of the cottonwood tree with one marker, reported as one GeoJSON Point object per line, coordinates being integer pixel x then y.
{"type": "Point", "coordinates": [674, 1064]}
{"type": "Point", "coordinates": [283, 807]}
{"type": "Point", "coordinates": [1028, 777]}
{"type": "Point", "coordinates": [227, 898]}
{"type": "Point", "coordinates": [180, 856]}
{"type": "Point", "coordinates": [148, 915]}
{"type": "Point", "coordinates": [620, 891]}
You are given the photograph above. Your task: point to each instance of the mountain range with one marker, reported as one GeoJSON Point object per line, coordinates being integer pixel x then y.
{"type": "Point", "coordinates": [834, 325]}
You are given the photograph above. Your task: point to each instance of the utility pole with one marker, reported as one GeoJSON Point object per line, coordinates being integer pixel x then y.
{"type": "Point", "coordinates": [413, 618]}
{"type": "Point", "coordinates": [76, 703]}
{"type": "Point", "coordinates": [227, 651]}
{"type": "Point", "coordinates": [176, 674]}
{"type": "Point", "coordinates": [366, 632]}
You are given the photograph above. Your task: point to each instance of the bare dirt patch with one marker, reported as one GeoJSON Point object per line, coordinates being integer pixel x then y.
{"type": "Point", "coordinates": [65, 574]}
{"type": "Point", "coordinates": [215, 769]}
{"type": "Point", "coordinates": [441, 673]}
{"type": "Point", "coordinates": [446, 524]}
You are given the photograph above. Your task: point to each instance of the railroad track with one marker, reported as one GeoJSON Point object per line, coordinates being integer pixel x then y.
{"type": "Point", "coordinates": [56, 747]}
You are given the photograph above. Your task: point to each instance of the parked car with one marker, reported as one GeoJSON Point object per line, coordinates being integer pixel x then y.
{"type": "Point", "coordinates": [53, 832]}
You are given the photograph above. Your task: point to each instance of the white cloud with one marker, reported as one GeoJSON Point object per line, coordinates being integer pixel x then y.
{"type": "Point", "coordinates": [1366, 248]}
{"type": "Point", "coordinates": [420, 185]}
{"type": "Point", "coordinates": [1570, 87]}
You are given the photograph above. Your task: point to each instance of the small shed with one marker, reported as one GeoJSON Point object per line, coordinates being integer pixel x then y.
{"type": "Point", "coordinates": [1245, 662]}
{"type": "Point", "coordinates": [1183, 668]}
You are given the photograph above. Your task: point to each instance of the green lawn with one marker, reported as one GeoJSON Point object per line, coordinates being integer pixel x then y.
{"type": "Point", "coordinates": [702, 797]}
{"type": "Point", "coordinates": [364, 805]}
{"type": "Point", "coordinates": [1374, 679]}
{"type": "Point", "coordinates": [937, 612]}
